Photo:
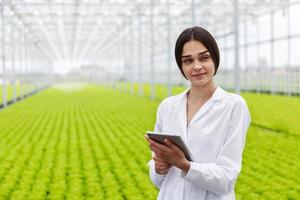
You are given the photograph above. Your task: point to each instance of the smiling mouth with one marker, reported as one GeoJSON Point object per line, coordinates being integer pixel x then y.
{"type": "Point", "coordinates": [199, 74]}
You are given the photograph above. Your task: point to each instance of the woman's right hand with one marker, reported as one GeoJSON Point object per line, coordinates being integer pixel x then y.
{"type": "Point", "coordinates": [161, 166]}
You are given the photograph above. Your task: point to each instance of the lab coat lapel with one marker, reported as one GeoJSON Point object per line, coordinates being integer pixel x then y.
{"type": "Point", "coordinates": [180, 107]}
{"type": "Point", "coordinates": [205, 107]}
{"type": "Point", "coordinates": [218, 94]}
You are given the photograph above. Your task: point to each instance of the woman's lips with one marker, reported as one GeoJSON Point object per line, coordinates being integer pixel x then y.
{"type": "Point", "coordinates": [198, 74]}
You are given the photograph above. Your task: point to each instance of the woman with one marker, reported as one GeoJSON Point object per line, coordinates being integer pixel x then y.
{"type": "Point", "coordinates": [212, 122]}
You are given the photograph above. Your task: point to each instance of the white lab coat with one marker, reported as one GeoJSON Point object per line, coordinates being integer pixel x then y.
{"type": "Point", "coordinates": [216, 138]}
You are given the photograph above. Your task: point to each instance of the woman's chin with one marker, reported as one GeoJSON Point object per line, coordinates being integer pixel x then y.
{"type": "Point", "coordinates": [198, 83]}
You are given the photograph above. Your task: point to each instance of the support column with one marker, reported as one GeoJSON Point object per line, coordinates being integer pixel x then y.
{"type": "Point", "coordinates": [169, 71]}
{"type": "Point", "coordinates": [13, 41]}
{"type": "Point", "coordinates": [131, 49]}
{"type": "Point", "coordinates": [152, 72]}
{"type": "Point", "coordinates": [22, 64]}
{"type": "Point", "coordinates": [274, 79]}
{"type": "Point", "coordinates": [260, 83]}
{"type": "Point", "coordinates": [4, 91]}
{"type": "Point", "coordinates": [247, 85]}
{"type": "Point", "coordinates": [193, 8]}
{"type": "Point", "coordinates": [236, 47]}
{"type": "Point", "coordinates": [140, 53]}
{"type": "Point", "coordinates": [124, 45]}
{"type": "Point", "coordinates": [290, 79]}
{"type": "Point", "coordinates": [26, 65]}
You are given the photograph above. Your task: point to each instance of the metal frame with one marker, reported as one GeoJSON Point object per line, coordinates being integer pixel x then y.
{"type": "Point", "coordinates": [91, 30]}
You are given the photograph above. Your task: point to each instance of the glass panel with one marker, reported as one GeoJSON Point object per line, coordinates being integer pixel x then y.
{"type": "Point", "coordinates": [295, 52]}
{"type": "Point", "coordinates": [264, 23]}
{"type": "Point", "coordinates": [230, 59]}
{"type": "Point", "coordinates": [252, 56]}
{"type": "Point", "coordinates": [251, 31]}
{"type": "Point", "coordinates": [230, 40]}
{"type": "Point", "coordinates": [242, 58]}
{"type": "Point", "coordinates": [294, 19]}
{"type": "Point", "coordinates": [280, 24]}
{"type": "Point", "coordinates": [242, 34]}
{"type": "Point", "coordinates": [264, 55]}
{"type": "Point", "coordinates": [280, 53]}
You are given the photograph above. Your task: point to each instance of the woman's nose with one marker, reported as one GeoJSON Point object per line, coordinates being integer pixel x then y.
{"type": "Point", "coordinates": [197, 65]}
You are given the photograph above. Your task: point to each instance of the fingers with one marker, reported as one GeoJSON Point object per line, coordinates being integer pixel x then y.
{"type": "Point", "coordinates": [156, 158]}
{"type": "Point", "coordinates": [147, 138]}
{"type": "Point", "coordinates": [162, 164]}
{"type": "Point", "coordinates": [172, 146]}
{"type": "Point", "coordinates": [166, 154]}
{"type": "Point", "coordinates": [161, 171]}
{"type": "Point", "coordinates": [162, 167]}
{"type": "Point", "coordinates": [158, 154]}
{"type": "Point", "coordinates": [162, 154]}
{"type": "Point", "coordinates": [168, 143]}
{"type": "Point", "coordinates": [158, 145]}
{"type": "Point", "coordinates": [164, 151]}
{"type": "Point", "coordinates": [157, 148]}
{"type": "Point", "coordinates": [150, 142]}
{"type": "Point", "coordinates": [154, 143]}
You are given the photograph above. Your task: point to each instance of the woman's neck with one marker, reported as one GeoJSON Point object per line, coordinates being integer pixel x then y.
{"type": "Point", "coordinates": [202, 93]}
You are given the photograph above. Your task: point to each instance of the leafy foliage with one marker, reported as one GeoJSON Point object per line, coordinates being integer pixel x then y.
{"type": "Point", "coordinates": [88, 144]}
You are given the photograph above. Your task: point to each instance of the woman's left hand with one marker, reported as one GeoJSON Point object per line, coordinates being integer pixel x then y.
{"type": "Point", "coordinates": [171, 154]}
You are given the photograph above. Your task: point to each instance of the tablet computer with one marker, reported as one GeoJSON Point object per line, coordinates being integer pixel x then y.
{"type": "Point", "coordinates": [176, 139]}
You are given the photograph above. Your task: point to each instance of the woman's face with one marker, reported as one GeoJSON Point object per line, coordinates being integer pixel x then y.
{"type": "Point", "coordinates": [197, 63]}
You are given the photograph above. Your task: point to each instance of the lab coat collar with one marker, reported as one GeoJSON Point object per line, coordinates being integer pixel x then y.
{"type": "Point", "coordinates": [218, 94]}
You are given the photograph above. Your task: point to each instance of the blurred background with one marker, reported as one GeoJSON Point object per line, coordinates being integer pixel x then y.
{"type": "Point", "coordinates": [76, 72]}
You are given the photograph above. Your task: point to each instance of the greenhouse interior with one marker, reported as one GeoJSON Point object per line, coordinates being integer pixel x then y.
{"type": "Point", "coordinates": [81, 82]}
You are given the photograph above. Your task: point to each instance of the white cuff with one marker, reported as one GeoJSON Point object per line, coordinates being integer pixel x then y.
{"type": "Point", "coordinates": [190, 175]}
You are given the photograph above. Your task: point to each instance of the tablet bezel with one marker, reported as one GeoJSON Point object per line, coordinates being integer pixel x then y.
{"type": "Point", "coordinates": [176, 139]}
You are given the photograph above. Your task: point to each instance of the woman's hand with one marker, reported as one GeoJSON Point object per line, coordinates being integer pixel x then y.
{"type": "Point", "coordinates": [161, 167]}
{"type": "Point", "coordinates": [170, 153]}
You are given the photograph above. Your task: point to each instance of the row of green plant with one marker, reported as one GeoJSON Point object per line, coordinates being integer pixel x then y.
{"type": "Point", "coordinates": [73, 145]}
{"type": "Point", "coordinates": [20, 90]}
{"type": "Point", "coordinates": [270, 166]}
{"type": "Point", "coordinates": [277, 112]}
{"type": "Point", "coordinates": [89, 144]}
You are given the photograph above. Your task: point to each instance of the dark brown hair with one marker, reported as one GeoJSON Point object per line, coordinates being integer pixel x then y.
{"type": "Point", "coordinates": [199, 34]}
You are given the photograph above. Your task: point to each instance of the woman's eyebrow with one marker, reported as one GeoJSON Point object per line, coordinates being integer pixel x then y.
{"type": "Point", "coordinates": [201, 53]}
{"type": "Point", "coordinates": [186, 56]}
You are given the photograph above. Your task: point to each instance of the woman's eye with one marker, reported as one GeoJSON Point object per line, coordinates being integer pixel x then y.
{"type": "Point", "coordinates": [204, 58]}
{"type": "Point", "coordinates": [188, 61]}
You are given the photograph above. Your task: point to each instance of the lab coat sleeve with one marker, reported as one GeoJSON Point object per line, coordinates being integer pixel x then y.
{"type": "Point", "coordinates": [220, 176]}
{"type": "Point", "coordinates": [157, 179]}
